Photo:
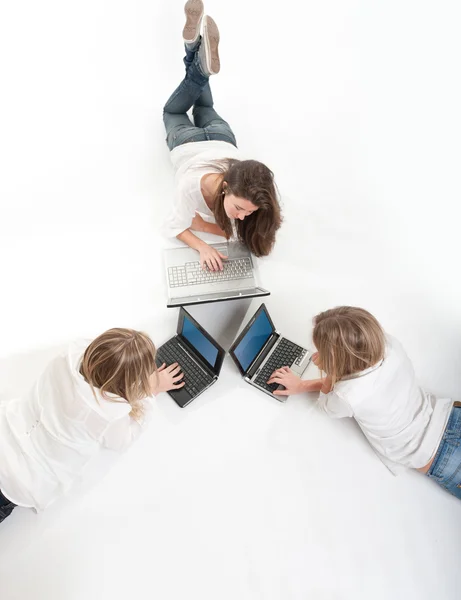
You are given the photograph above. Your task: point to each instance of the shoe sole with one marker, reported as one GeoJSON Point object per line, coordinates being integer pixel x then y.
{"type": "Point", "coordinates": [193, 10]}
{"type": "Point", "coordinates": [211, 40]}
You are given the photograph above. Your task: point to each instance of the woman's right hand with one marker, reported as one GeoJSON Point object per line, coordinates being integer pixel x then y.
{"type": "Point", "coordinates": [291, 382]}
{"type": "Point", "coordinates": [167, 378]}
{"type": "Point", "coordinates": [211, 258]}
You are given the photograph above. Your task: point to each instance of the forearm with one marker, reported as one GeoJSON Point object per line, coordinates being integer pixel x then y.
{"type": "Point", "coordinates": [214, 229]}
{"type": "Point", "coordinates": [312, 385]}
{"type": "Point", "coordinates": [120, 434]}
{"type": "Point", "coordinates": [199, 224]}
{"type": "Point", "coordinates": [317, 385]}
{"type": "Point", "coordinates": [190, 239]}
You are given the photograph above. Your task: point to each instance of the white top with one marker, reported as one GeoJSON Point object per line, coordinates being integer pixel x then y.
{"type": "Point", "coordinates": [190, 163]}
{"type": "Point", "coordinates": [48, 436]}
{"type": "Point", "coordinates": [403, 423]}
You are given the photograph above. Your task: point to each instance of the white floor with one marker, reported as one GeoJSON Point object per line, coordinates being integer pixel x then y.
{"type": "Point", "coordinates": [355, 106]}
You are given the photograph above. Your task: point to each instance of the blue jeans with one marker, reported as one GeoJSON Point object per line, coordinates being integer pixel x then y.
{"type": "Point", "coordinates": [446, 468]}
{"type": "Point", "coordinates": [194, 91]}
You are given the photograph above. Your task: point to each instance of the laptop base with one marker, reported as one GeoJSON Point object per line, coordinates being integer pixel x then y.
{"type": "Point", "coordinates": [217, 297]}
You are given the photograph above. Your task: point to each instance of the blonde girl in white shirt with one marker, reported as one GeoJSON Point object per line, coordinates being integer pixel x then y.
{"type": "Point", "coordinates": [370, 378]}
{"type": "Point", "coordinates": [92, 396]}
{"type": "Point", "coordinates": [216, 191]}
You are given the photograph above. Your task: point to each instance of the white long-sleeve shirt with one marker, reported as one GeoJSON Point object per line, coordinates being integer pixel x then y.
{"type": "Point", "coordinates": [190, 163]}
{"type": "Point", "coordinates": [403, 423]}
{"type": "Point", "coordinates": [50, 434]}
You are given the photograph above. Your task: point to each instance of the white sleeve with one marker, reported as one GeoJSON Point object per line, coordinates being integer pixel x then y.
{"type": "Point", "coordinates": [120, 434]}
{"type": "Point", "coordinates": [334, 405]}
{"type": "Point", "coordinates": [182, 212]}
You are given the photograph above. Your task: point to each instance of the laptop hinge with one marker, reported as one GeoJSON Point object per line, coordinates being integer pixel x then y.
{"type": "Point", "coordinates": [193, 353]}
{"type": "Point", "coordinates": [262, 354]}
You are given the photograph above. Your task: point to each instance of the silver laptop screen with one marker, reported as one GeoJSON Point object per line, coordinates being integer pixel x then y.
{"type": "Point", "coordinates": [253, 340]}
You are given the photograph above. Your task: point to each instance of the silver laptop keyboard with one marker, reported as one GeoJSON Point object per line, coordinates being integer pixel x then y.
{"type": "Point", "coordinates": [192, 273]}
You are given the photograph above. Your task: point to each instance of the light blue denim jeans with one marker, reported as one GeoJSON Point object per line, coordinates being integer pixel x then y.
{"type": "Point", "coordinates": [194, 92]}
{"type": "Point", "coordinates": [446, 468]}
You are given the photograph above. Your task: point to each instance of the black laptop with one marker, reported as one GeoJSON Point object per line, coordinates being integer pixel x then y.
{"type": "Point", "coordinates": [197, 353]}
{"type": "Point", "coordinates": [260, 349]}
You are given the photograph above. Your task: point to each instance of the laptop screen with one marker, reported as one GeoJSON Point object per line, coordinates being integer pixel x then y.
{"type": "Point", "coordinates": [200, 342]}
{"type": "Point", "coordinates": [253, 340]}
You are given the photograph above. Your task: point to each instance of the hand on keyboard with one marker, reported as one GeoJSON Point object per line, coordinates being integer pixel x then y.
{"type": "Point", "coordinates": [167, 378]}
{"type": "Point", "coordinates": [292, 383]}
{"type": "Point", "coordinates": [211, 258]}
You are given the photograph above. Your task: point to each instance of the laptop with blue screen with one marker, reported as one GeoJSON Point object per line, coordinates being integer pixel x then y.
{"type": "Point", "coordinates": [259, 350]}
{"type": "Point", "coordinates": [197, 353]}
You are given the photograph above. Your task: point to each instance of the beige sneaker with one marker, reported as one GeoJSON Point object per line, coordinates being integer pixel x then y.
{"type": "Point", "coordinates": [208, 51]}
{"type": "Point", "coordinates": [194, 13]}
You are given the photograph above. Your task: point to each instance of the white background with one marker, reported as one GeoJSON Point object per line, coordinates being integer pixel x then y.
{"type": "Point", "coordinates": [355, 106]}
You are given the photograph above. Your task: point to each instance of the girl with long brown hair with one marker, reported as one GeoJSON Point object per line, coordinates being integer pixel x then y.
{"type": "Point", "coordinates": [92, 396]}
{"type": "Point", "coordinates": [216, 191]}
{"type": "Point", "coordinates": [369, 377]}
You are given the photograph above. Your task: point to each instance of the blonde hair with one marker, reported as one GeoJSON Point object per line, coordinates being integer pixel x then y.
{"type": "Point", "coordinates": [121, 362]}
{"type": "Point", "coordinates": [348, 340]}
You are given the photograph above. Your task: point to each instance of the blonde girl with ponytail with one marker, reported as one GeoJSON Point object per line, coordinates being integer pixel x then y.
{"type": "Point", "coordinates": [92, 396]}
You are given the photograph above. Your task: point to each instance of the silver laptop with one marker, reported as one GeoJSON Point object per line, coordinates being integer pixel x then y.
{"type": "Point", "coordinates": [259, 350]}
{"type": "Point", "coordinates": [188, 283]}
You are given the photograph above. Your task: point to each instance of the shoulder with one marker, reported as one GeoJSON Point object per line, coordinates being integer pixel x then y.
{"type": "Point", "coordinates": [395, 354]}
{"type": "Point", "coordinates": [66, 361]}
{"type": "Point", "coordinates": [392, 343]}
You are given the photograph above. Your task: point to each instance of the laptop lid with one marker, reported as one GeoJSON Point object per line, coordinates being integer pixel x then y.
{"type": "Point", "coordinates": [247, 347]}
{"type": "Point", "coordinates": [200, 342]}
{"type": "Point", "coordinates": [217, 297]}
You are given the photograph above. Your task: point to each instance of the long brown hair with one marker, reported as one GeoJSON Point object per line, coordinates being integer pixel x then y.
{"type": "Point", "coordinates": [348, 340]}
{"type": "Point", "coordinates": [121, 362]}
{"type": "Point", "coordinates": [253, 181]}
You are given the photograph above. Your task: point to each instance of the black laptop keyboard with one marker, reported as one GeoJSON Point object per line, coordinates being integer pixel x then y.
{"type": "Point", "coordinates": [196, 379]}
{"type": "Point", "coordinates": [285, 354]}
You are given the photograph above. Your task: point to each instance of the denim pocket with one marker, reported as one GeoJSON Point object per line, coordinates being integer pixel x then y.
{"type": "Point", "coordinates": [175, 138]}
{"type": "Point", "coordinates": [220, 130]}
{"type": "Point", "coordinates": [447, 470]}
{"type": "Point", "coordinates": [437, 471]}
